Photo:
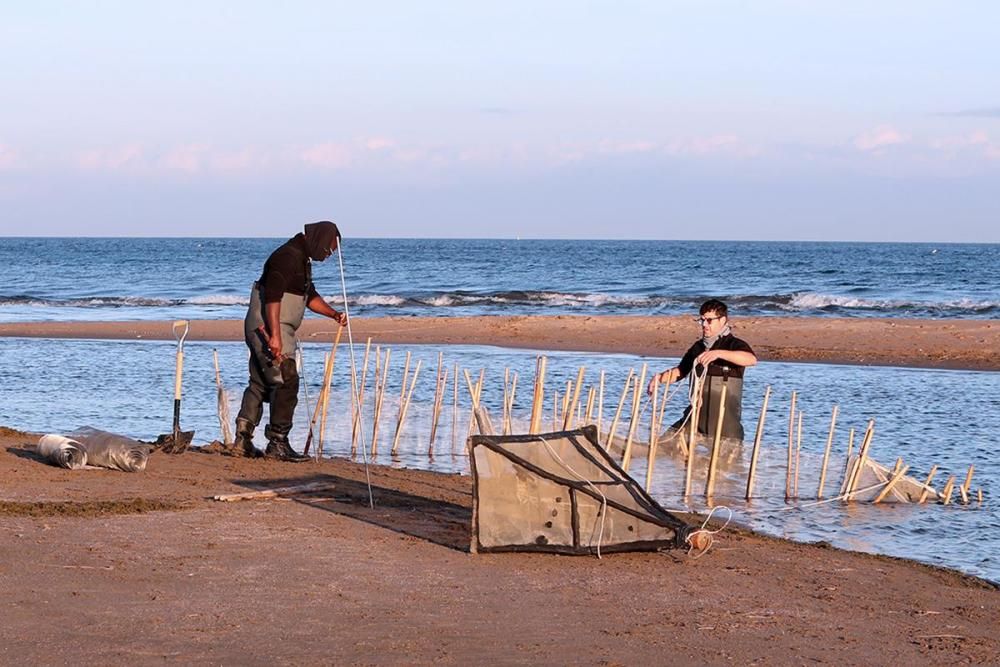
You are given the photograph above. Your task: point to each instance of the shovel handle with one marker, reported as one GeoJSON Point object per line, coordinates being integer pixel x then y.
{"type": "Point", "coordinates": [178, 372]}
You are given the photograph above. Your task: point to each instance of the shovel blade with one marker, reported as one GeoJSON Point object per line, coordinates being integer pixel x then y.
{"type": "Point", "coordinates": [174, 443]}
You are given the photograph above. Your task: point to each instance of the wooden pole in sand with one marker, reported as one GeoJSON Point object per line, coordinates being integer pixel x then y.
{"type": "Point", "coordinates": [862, 459]}
{"type": "Point", "coordinates": [454, 410]}
{"type": "Point", "coordinates": [402, 390]}
{"type": "Point", "coordinates": [406, 406]}
{"type": "Point", "coordinates": [329, 389]}
{"type": "Point", "coordinates": [946, 492]}
{"type": "Point", "coordinates": [439, 388]}
{"type": "Point", "coordinates": [566, 407]}
{"type": "Point", "coordinates": [475, 391]}
{"type": "Point", "coordinates": [798, 456]}
{"type": "Point", "coordinates": [504, 418]}
{"type": "Point", "coordinates": [380, 385]}
{"type": "Point", "coordinates": [356, 420]}
{"type": "Point", "coordinates": [568, 414]}
{"type": "Point", "coordinates": [756, 443]}
{"type": "Point", "coordinates": [791, 446]}
{"type": "Point", "coordinates": [964, 489]}
{"type": "Point", "coordinates": [634, 424]}
{"type": "Point", "coordinates": [927, 486]}
{"type": "Point", "coordinates": [223, 406]}
{"type": "Point", "coordinates": [651, 450]}
{"type": "Point", "coordinates": [826, 453]}
{"type": "Point", "coordinates": [510, 404]}
{"type": "Point", "coordinates": [319, 405]}
{"type": "Point", "coordinates": [618, 412]}
{"type": "Point", "coordinates": [693, 415]}
{"type": "Point", "coordinates": [539, 396]}
{"type": "Point", "coordinates": [600, 406]}
{"type": "Point", "coordinates": [555, 411]}
{"type": "Point", "coordinates": [588, 415]}
{"type": "Point", "coordinates": [714, 458]}
{"type": "Point", "coordinates": [847, 461]}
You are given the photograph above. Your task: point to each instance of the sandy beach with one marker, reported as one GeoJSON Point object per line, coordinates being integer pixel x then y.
{"type": "Point", "coordinates": [918, 343]}
{"type": "Point", "coordinates": [102, 567]}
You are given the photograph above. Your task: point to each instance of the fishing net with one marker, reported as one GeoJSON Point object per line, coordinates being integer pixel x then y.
{"type": "Point", "coordinates": [561, 492]}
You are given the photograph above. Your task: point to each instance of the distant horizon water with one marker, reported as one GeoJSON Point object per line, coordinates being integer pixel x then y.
{"type": "Point", "coordinates": [132, 278]}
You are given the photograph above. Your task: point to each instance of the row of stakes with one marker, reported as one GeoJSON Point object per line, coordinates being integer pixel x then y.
{"type": "Point", "coordinates": [571, 409]}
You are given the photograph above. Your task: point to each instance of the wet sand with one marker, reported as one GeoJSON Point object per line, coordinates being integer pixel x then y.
{"type": "Point", "coordinates": [918, 343]}
{"type": "Point", "coordinates": [102, 567]}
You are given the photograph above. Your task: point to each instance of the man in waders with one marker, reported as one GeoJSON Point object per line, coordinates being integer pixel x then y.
{"type": "Point", "coordinates": [277, 303]}
{"type": "Point", "coordinates": [722, 358]}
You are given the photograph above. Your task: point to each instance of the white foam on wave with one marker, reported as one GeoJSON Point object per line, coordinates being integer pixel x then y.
{"type": "Point", "coordinates": [813, 301]}
{"type": "Point", "coordinates": [378, 300]}
{"type": "Point", "coordinates": [218, 300]}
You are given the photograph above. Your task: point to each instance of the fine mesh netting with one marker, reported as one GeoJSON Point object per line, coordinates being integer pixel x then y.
{"type": "Point", "coordinates": [561, 492]}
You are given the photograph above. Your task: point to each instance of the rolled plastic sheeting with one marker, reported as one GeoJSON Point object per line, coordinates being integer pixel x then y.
{"type": "Point", "coordinates": [110, 450]}
{"type": "Point", "coordinates": [62, 451]}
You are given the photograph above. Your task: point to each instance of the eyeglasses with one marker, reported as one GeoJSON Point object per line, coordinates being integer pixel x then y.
{"type": "Point", "coordinates": [708, 320]}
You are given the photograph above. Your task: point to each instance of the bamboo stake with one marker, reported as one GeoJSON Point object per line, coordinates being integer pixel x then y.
{"type": "Point", "coordinates": [591, 397]}
{"type": "Point", "coordinates": [402, 390]}
{"type": "Point", "coordinates": [651, 450]}
{"type": "Point", "coordinates": [714, 458]}
{"type": "Point", "coordinates": [356, 422]}
{"type": "Point", "coordinates": [473, 421]}
{"type": "Point", "coordinates": [862, 459]}
{"type": "Point", "coordinates": [927, 485]}
{"type": "Point", "coordinates": [329, 389]}
{"type": "Point", "coordinates": [510, 405]}
{"type": "Point", "coordinates": [223, 406]}
{"type": "Point", "coordinates": [663, 402]}
{"type": "Point", "coordinates": [798, 456]}
{"type": "Point", "coordinates": [847, 462]}
{"type": "Point", "coordinates": [964, 489]}
{"type": "Point", "coordinates": [600, 405]}
{"type": "Point", "coordinates": [627, 456]}
{"type": "Point", "coordinates": [439, 388]}
{"type": "Point", "coordinates": [406, 406]}
{"type": "Point", "coordinates": [791, 444]}
{"type": "Point", "coordinates": [319, 404]}
{"type": "Point", "coordinates": [979, 494]}
{"type": "Point", "coordinates": [756, 443]}
{"type": "Point", "coordinates": [504, 420]}
{"type": "Point", "coordinates": [693, 415]}
{"type": "Point", "coordinates": [567, 407]}
{"type": "Point", "coordinates": [539, 396]}
{"type": "Point", "coordinates": [618, 412]}
{"type": "Point", "coordinates": [826, 452]}
{"type": "Point", "coordinates": [568, 416]}
{"type": "Point", "coordinates": [454, 412]}
{"type": "Point", "coordinates": [948, 488]}
{"type": "Point", "coordinates": [897, 474]}
{"type": "Point", "coordinates": [380, 386]}
{"type": "Point", "coordinates": [555, 411]}
{"type": "Point", "coordinates": [273, 493]}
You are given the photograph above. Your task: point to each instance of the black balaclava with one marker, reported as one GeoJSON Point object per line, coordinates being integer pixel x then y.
{"type": "Point", "coordinates": [319, 239]}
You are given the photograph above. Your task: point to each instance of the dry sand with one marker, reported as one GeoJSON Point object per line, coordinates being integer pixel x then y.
{"type": "Point", "coordinates": [103, 567]}
{"type": "Point", "coordinates": [921, 343]}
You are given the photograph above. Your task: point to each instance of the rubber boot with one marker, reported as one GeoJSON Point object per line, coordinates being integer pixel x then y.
{"type": "Point", "coordinates": [244, 440]}
{"type": "Point", "coordinates": [278, 447]}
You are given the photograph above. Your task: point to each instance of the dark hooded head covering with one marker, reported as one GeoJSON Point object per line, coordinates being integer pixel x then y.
{"type": "Point", "coordinates": [320, 237]}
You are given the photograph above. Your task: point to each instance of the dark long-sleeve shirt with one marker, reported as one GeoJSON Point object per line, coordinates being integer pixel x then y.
{"type": "Point", "coordinates": [288, 269]}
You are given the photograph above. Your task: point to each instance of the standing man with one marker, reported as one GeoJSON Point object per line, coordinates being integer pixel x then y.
{"type": "Point", "coordinates": [722, 358]}
{"type": "Point", "coordinates": [277, 303]}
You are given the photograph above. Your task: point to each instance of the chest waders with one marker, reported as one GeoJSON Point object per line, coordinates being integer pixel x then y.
{"type": "Point", "coordinates": [270, 382]}
{"type": "Point", "coordinates": [711, 393]}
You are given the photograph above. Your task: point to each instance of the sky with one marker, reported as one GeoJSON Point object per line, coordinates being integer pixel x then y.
{"type": "Point", "coordinates": [644, 120]}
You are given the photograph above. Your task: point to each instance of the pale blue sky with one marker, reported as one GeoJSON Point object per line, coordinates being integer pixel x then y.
{"type": "Point", "coordinates": [704, 120]}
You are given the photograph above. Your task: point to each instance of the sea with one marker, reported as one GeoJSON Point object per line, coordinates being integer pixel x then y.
{"type": "Point", "coordinates": [927, 417]}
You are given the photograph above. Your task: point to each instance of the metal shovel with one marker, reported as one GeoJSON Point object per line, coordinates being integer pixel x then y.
{"type": "Point", "coordinates": [177, 441]}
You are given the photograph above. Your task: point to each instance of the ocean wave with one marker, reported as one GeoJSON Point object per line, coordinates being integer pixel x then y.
{"type": "Point", "coordinates": [810, 301]}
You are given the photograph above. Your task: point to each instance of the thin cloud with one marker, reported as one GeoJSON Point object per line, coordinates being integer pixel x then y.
{"type": "Point", "coordinates": [879, 138]}
{"type": "Point", "coordinates": [8, 158]}
{"type": "Point", "coordinates": [988, 112]}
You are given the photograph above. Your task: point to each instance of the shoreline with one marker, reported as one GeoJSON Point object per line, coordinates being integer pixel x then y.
{"type": "Point", "coordinates": [163, 571]}
{"type": "Point", "coordinates": [915, 343]}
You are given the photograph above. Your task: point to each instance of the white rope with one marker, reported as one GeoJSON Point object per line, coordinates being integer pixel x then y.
{"type": "Point", "coordinates": [354, 374]}
{"type": "Point", "coordinates": [604, 499]}
{"type": "Point", "coordinates": [708, 533]}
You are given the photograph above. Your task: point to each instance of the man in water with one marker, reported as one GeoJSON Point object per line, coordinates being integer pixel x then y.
{"type": "Point", "coordinates": [721, 358]}
{"type": "Point", "coordinates": [277, 303]}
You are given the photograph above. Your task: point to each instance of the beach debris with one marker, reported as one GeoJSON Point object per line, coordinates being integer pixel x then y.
{"type": "Point", "coordinates": [267, 494]}
{"type": "Point", "coordinates": [562, 493]}
{"type": "Point", "coordinates": [222, 402]}
{"type": "Point", "coordinates": [177, 440]}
